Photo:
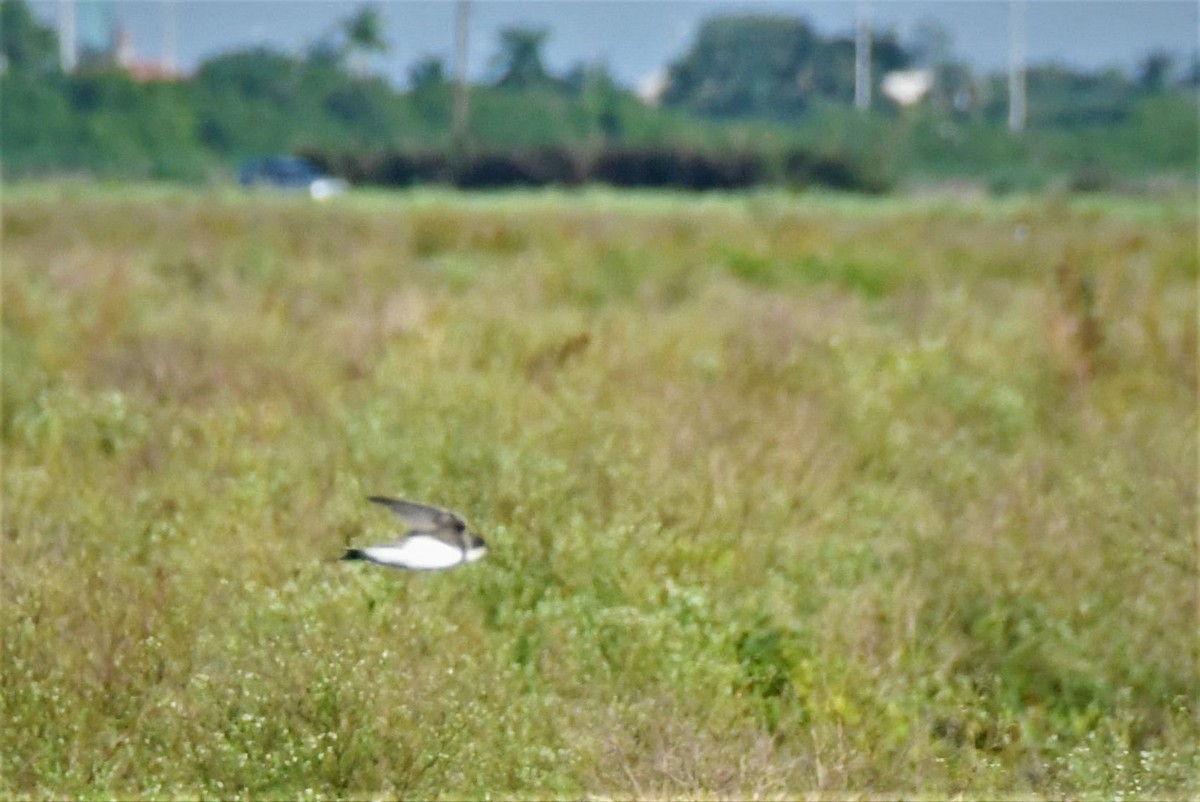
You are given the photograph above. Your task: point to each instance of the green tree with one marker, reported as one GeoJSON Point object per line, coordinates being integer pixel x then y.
{"type": "Point", "coordinates": [363, 32]}
{"type": "Point", "coordinates": [519, 62]}
{"type": "Point", "coordinates": [26, 45]}
{"type": "Point", "coordinates": [1065, 98]}
{"type": "Point", "coordinates": [768, 66]}
{"type": "Point", "coordinates": [248, 102]}
{"type": "Point", "coordinates": [36, 125]}
{"type": "Point", "coordinates": [258, 74]}
{"type": "Point", "coordinates": [428, 72]}
{"type": "Point", "coordinates": [349, 41]}
{"type": "Point", "coordinates": [430, 89]}
{"type": "Point", "coordinates": [1155, 70]}
{"type": "Point", "coordinates": [600, 96]}
{"type": "Point", "coordinates": [1191, 76]}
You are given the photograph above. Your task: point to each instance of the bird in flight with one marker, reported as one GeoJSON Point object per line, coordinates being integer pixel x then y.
{"type": "Point", "coordinates": [436, 540]}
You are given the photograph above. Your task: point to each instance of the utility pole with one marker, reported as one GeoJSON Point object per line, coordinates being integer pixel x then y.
{"type": "Point", "coordinates": [459, 132]}
{"type": "Point", "coordinates": [1016, 66]}
{"type": "Point", "coordinates": [862, 58]}
{"type": "Point", "coordinates": [67, 54]}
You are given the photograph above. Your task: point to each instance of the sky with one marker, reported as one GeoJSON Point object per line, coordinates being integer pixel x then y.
{"type": "Point", "coordinates": [637, 38]}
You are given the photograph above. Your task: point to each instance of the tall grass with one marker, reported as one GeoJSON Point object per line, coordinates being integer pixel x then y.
{"type": "Point", "coordinates": [786, 497]}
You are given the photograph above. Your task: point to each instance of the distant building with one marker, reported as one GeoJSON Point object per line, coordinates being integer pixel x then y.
{"type": "Point", "coordinates": [125, 56]}
{"type": "Point", "coordinates": [122, 52]}
{"type": "Point", "coordinates": [104, 41]}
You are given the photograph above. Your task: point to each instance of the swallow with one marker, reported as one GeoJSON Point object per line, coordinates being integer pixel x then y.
{"type": "Point", "coordinates": [436, 540]}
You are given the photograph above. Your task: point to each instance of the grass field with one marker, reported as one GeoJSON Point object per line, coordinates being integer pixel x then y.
{"type": "Point", "coordinates": [787, 497]}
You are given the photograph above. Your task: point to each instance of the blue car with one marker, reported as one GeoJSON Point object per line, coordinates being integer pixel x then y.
{"type": "Point", "coordinates": [290, 173]}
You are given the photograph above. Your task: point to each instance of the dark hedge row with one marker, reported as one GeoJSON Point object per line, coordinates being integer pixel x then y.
{"type": "Point", "coordinates": [661, 167]}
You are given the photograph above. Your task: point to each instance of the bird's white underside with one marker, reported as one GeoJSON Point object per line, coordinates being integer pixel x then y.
{"type": "Point", "coordinates": [419, 553]}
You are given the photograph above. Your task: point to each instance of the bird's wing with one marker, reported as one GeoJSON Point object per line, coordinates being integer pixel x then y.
{"type": "Point", "coordinates": [421, 517]}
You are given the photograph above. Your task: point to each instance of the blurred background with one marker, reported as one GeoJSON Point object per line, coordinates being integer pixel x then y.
{"type": "Point", "coordinates": [992, 96]}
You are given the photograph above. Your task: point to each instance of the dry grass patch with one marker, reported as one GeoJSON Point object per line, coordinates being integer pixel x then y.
{"type": "Point", "coordinates": [787, 497]}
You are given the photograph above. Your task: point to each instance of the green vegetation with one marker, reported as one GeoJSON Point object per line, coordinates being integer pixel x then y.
{"type": "Point", "coordinates": [786, 497]}
{"type": "Point", "coordinates": [770, 66]}
{"type": "Point", "coordinates": [761, 86]}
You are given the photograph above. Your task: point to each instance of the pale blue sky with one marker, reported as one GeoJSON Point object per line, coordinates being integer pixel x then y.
{"type": "Point", "coordinates": [637, 37]}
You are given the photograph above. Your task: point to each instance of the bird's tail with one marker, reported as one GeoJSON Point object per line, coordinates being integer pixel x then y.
{"type": "Point", "coordinates": [354, 554]}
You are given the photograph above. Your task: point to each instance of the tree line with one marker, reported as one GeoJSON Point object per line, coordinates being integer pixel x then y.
{"type": "Point", "coordinates": [752, 95]}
